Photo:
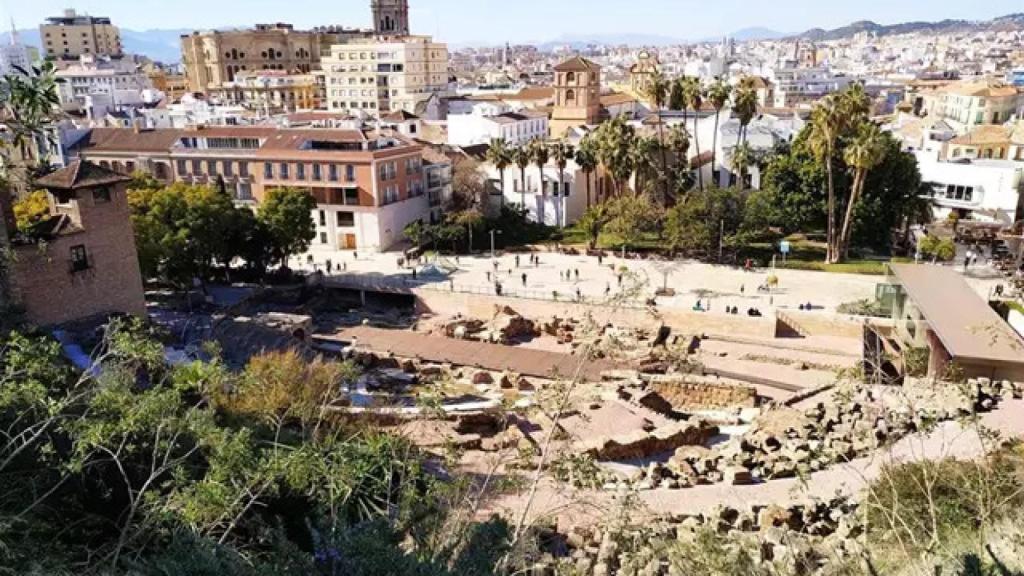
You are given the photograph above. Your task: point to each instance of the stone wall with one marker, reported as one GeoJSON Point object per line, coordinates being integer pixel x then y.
{"type": "Point", "coordinates": [683, 394]}
{"type": "Point", "coordinates": [682, 321]}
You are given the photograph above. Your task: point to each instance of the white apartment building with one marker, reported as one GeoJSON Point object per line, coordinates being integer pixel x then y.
{"type": "Point", "coordinates": [193, 111]}
{"type": "Point", "coordinates": [92, 75]}
{"type": "Point", "coordinates": [795, 86]}
{"type": "Point", "coordinates": [493, 120]}
{"type": "Point", "coordinates": [376, 76]}
{"type": "Point", "coordinates": [987, 190]}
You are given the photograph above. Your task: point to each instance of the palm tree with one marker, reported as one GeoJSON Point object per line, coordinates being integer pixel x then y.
{"type": "Point", "coordinates": [658, 92]}
{"type": "Point", "coordinates": [745, 104]}
{"type": "Point", "coordinates": [718, 95]}
{"type": "Point", "coordinates": [540, 154]}
{"type": "Point", "coordinates": [586, 158]}
{"type": "Point", "coordinates": [521, 157]}
{"type": "Point", "coordinates": [644, 163]}
{"type": "Point", "coordinates": [615, 144]}
{"type": "Point", "coordinates": [30, 106]}
{"type": "Point", "coordinates": [693, 94]}
{"type": "Point", "coordinates": [679, 143]}
{"type": "Point", "coordinates": [863, 153]}
{"type": "Point", "coordinates": [561, 153]}
{"type": "Point", "coordinates": [826, 123]}
{"type": "Point", "coordinates": [500, 156]}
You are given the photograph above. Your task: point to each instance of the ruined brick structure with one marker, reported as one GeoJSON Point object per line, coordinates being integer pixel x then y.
{"type": "Point", "coordinates": [81, 262]}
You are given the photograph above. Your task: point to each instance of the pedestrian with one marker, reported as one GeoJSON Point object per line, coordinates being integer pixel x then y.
{"type": "Point", "coordinates": [743, 288]}
{"type": "Point", "coordinates": [330, 266]}
{"type": "Point", "coordinates": [495, 264]}
{"type": "Point", "coordinates": [497, 288]}
{"type": "Point", "coordinates": [488, 277]}
{"type": "Point", "coordinates": [344, 266]}
{"type": "Point", "coordinates": [577, 272]}
{"type": "Point", "coordinates": [456, 259]}
{"type": "Point", "coordinates": [355, 255]}
{"type": "Point", "coordinates": [413, 273]}
{"type": "Point", "coordinates": [607, 289]}
{"type": "Point", "coordinates": [517, 260]}
{"type": "Point", "coordinates": [579, 295]}
{"type": "Point", "coordinates": [309, 259]}
{"type": "Point", "coordinates": [620, 279]}
{"type": "Point", "coordinates": [600, 259]}
{"type": "Point", "coordinates": [524, 279]}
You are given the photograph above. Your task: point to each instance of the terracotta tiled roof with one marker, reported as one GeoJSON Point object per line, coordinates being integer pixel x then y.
{"type": "Point", "coordinates": [534, 93]}
{"type": "Point", "coordinates": [617, 98]}
{"type": "Point", "coordinates": [987, 134]}
{"type": "Point", "coordinates": [984, 89]}
{"type": "Point", "coordinates": [80, 174]}
{"type": "Point", "coordinates": [121, 139]}
{"type": "Point", "coordinates": [399, 116]}
{"type": "Point", "coordinates": [577, 64]}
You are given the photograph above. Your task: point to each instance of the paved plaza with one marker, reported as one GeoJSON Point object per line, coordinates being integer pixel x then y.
{"type": "Point", "coordinates": [720, 286]}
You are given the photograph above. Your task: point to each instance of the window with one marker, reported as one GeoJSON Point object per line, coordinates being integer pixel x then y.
{"type": "Point", "coordinates": [243, 169]}
{"type": "Point", "coordinates": [332, 173]}
{"type": "Point", "coordinates": [229, 168]}
{"type": "Point", "coordinates": [197, 167]}
{"type": "Point", "coordinates": [244, 192]}
{"type": "Point", "coordinates": [101, 195]}
{"type": "Point", "coordinates": [570, 77]}
{"type": "Point", "coordinates": [323, 218]}
{"type": "Point", "coordinates": [570, 96]}
{"type": "Point", "coordinates": [346, 219]}
{"type": "Point", "coordinates": [79, 259]}
{"type": "Point", "coordinates": [390, 194]}
{"type": "Point", "coordinates": [211, 167]}
{"type": "Point", "coordinates": [351, 197]}
{"type": "Point", "coordinates": [350, 173]}
{"type": "Point", "coordinates": [300, 171]}
{"type": "Point", "coordinates": [182, 167]}
{"type": "Point", "coordinates": [268, 170]}
{"type": "Point", "coordinates": [323, 237]}
{"type": "Point", "coordinates": [317, 174]}
{"type": "Point", "coordinates": [283, 171]}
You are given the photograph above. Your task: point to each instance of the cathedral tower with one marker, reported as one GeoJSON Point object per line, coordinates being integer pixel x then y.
{"type": "Point", "coordinates": [390, 17]}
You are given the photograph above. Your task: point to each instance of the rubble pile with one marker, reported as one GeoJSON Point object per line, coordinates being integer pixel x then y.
{"type": "Point", "coordinates": [507, 325]}
{"type": "Point", "coordinates": [564, 330]}
{"type": "Point", "coordinates": [679, 392]}
{"type": "Point", "coordinates": [785, 442]}
{"type": "Point", "coordinates": [796, 533]}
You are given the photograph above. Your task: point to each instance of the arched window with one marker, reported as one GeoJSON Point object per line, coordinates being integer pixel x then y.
{"type": "Point", "coordinates": [570, 96]}
{"type": "Point", "coordinates": [570, 78]}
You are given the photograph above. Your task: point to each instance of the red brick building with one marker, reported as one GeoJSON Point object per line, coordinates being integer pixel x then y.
{"type": "Point", "coordinates": [81, 262]}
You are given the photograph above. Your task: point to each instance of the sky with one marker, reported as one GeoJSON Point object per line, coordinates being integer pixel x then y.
{"type": "Point", "coordinates": [497, 21]}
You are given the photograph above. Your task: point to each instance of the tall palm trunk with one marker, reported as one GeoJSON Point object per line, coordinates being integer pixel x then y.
{"type": "Point", "coordinates": [561, 194]}
{"type": "Point", "coordinates": [543, 196]}
{"type": "Point", "coordinates": [587, 175]}
{"type": "Point", "coordinates": [664, 159]}
{"type": "Point", "coordinates": [830, 255]}
{"type": "Point", "coordinates": [696, 147]}
{"type": "Point", "coordinates": [501, 174]}
{"type": "Point", "coordinates": [522, 182]}
{"type": "Point", "coordinates": [847, 231]}
{"type": "Point", "coordinates": [714, 148]}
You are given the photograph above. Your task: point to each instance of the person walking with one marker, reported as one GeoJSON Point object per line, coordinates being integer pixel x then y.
{"type": "Point", "coordinates": [524, 279]}
{"type": "Point", "coordinates": [330, 266]}
{"type": "Point", "coordinates": [517, 260]}
{"type": "Point", "coordinates": [577, 272]}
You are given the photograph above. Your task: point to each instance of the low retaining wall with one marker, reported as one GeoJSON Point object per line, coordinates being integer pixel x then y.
{"type": "Point", "coordinates": [680, 320]}
{"type": "Point", "coordinates": [826, 324]}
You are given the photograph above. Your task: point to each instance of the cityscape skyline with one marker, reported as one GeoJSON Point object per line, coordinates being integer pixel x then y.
{"type": "Point", "coordinates": [470, 25]}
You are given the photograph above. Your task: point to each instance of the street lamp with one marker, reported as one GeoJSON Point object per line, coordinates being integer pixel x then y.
{"type": "Point", "coordinates": [493, 232]}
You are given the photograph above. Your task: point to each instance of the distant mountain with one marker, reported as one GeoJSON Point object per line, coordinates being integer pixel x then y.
{"type": "Point", "coordinates": [1008, 22]}
{"type": "Point", "coordinates": [160, 45]}
{"type": "Point", "coordinates": [578, 41]}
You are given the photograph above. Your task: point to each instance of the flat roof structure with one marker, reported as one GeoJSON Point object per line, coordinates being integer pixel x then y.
{"type": "Point", "coordinates": [969, 329]}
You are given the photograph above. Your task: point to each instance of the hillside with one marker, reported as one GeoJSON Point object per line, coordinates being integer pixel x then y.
{"type": "Point", "coordinates": [1008, 22]}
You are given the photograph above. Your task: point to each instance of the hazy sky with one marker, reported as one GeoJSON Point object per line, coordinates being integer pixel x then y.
{"type": "Point", "coordinates": [494, 21]}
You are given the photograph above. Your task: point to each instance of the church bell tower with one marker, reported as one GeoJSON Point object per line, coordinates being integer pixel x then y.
{"type": "Point", "coordinates": [390, 17]}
